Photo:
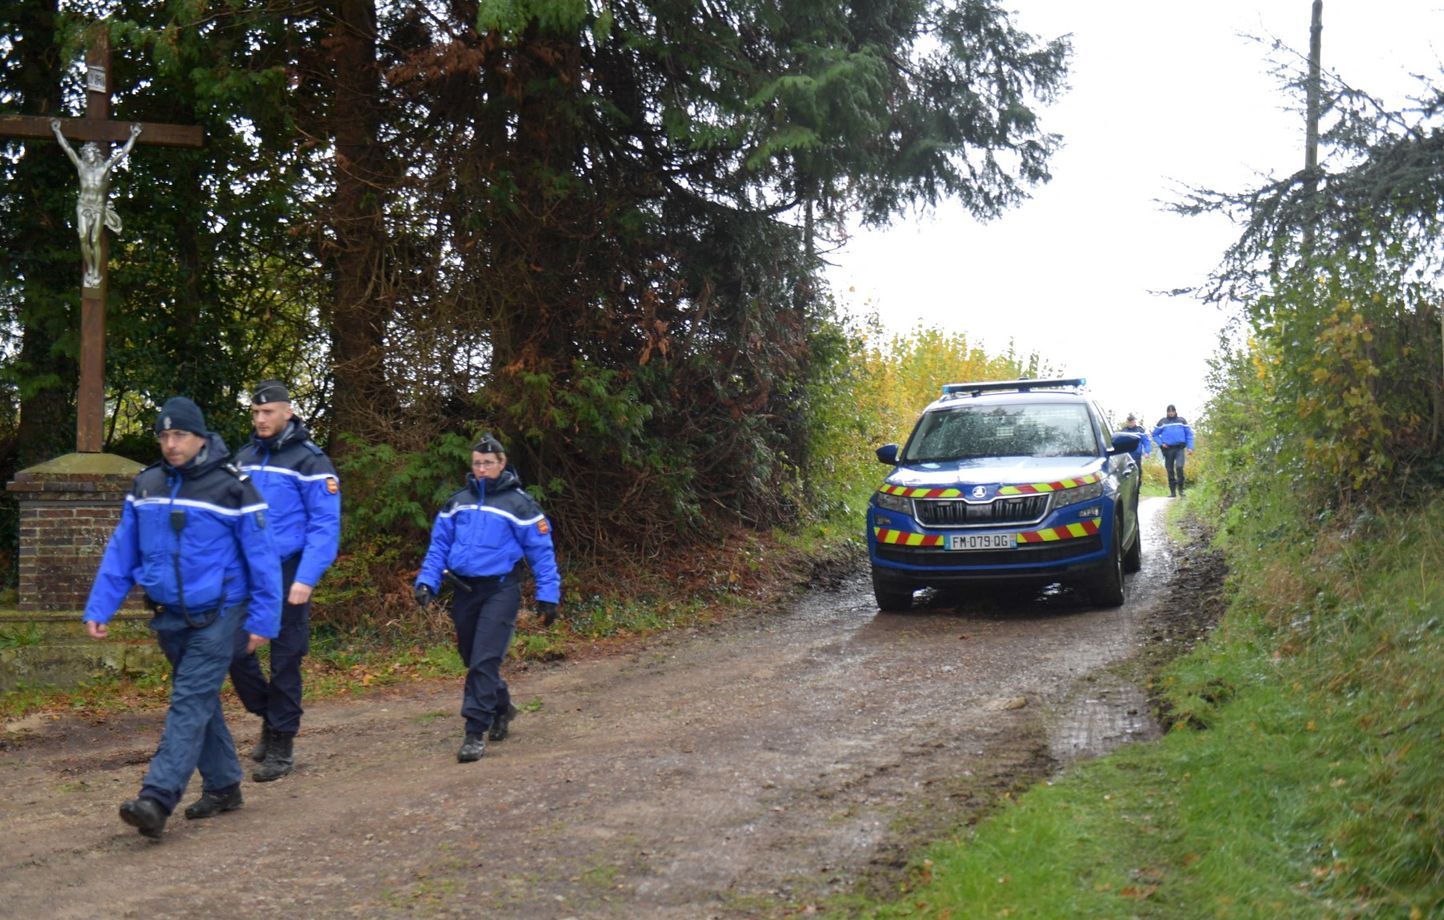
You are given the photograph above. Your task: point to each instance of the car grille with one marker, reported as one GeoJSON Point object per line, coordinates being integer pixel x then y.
{"type": "Point", "coordinates": [1024, 509]}
{"type": "Point", "coordinates": [1023, 555]}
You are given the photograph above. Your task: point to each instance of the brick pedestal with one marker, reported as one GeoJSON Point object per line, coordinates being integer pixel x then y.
{"type": "Point", "coordinates": [69, 507]}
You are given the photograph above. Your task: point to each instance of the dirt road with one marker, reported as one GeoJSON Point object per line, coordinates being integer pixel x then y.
{"type": "Point", "coordinates": [749, 769]}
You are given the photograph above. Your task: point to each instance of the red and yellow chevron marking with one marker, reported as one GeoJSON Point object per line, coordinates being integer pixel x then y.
{"type": "Point", "coordinates": [905, 492]}
{"type": "Point", "coordinates": [903, 538]}
{"type": "Point", "coordinates": [1038, 487]}
{"type": "Point", "coordinates": [1067, 532]}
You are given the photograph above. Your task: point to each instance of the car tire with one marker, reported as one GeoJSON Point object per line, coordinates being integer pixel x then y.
{"type": "Point", "coordinates": [1133, 558]}
{"type": "Point", "coordinates": [891, 596]}
{"type": "Point", "coordinates": [1107, 590]}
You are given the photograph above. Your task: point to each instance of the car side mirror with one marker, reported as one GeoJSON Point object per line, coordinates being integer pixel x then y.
{"type": "Point", "coordinates": [1124, 443]}
{"type": "Point", "coordinates": [887, 454]}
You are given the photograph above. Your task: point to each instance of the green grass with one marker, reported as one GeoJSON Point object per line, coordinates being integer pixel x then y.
{"type": "Point", "coordinates": [355, 661]}
{"type": "Point", "coordinates": [20, 635]}
{"type": "Point", "coordinates": [1302, 776]}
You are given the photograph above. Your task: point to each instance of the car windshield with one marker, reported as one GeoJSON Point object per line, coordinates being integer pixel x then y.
{"type": "Point", "coordinates": [971, 432]}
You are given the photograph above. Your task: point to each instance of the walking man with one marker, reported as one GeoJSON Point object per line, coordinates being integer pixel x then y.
{"type": "Point", "coordinates": [479, 535]}
{"type": "Point", "coordinates": [1144, 447]}
{"type": "Point", "coordinates": [300, 485]}
{"type": "Point", "coordinates": [193, 534]}
{"type": "Point", "coordinates": [1173, 436]}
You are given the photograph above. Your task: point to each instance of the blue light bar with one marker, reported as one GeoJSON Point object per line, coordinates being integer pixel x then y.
{"type": "Point", "coordinates": [1019, 386]}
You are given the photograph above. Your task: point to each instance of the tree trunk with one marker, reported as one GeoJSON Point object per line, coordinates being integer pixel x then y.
{"type": "Point", "coordinates": [364, 404]}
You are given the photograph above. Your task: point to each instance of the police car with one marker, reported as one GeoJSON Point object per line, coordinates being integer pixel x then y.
{"type": "Point", "coordinates": [1017, 480]}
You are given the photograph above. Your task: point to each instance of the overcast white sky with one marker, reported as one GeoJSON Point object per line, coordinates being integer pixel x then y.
{"type": "Point", "coordinates": [1163, 95]}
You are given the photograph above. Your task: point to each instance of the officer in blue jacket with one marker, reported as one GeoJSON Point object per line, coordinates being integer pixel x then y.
{"type": "Point", "coordinates": [1173, 436]}
{"type": "Point", "coordinates": [193, 534]}
{"type": "Point", "coordinates": [479, 535]}
{"type": "Point", "coordinates": [1144, 447]}
{"type": "Point", "coordinates": [300, 485]}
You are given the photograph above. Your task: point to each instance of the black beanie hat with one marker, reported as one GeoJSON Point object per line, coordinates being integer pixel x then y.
{"type": "Point", "coordinates": [180, 414]}
{"type": "Point", "coordinates": [488, 444]}
{"type": "Point", "coordinates": [269, 391]}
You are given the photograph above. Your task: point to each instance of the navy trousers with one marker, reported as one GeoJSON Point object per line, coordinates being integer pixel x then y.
{"type": "Point", "coordinates": [1173, 458]}
{"type": "Point", "coordinates": [485, 619]}
{"type": "Point", "coordinates": [195, 735]}
{"type": "Point", "coordinates": [277, 700]}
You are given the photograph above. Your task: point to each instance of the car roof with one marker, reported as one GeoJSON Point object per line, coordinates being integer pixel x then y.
{"type": "Point", "coordinates": [1006, 392]}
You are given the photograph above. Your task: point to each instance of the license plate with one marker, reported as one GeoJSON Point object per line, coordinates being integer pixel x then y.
{"type": "Point", "coordinates": [982, 541]}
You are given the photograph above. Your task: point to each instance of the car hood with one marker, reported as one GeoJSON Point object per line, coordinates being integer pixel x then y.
{"type": "Point", "coordinates": [994, 471]}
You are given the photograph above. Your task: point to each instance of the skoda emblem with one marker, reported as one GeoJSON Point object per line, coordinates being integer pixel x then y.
{"type": "Point", "coordinates": [979, 491]}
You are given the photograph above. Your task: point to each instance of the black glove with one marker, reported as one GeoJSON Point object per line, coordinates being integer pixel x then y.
{"type": "Point", "coordinates": [548, 611]}
{"type": "Point", "coordinates": [424, 596]}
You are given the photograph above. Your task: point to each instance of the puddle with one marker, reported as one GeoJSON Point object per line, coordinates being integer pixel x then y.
{"type": "Point", "coordinates": [1106, 713]}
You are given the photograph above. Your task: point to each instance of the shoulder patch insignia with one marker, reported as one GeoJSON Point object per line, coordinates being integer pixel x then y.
{"type": "Point", "coordinates": [543, 527]}
{"type": "Point", "coordinates": [261, 519]}
{"type": "Point", "coordinates": [332, 486]}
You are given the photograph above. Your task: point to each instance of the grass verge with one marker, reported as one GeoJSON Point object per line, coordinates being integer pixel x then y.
{"type": "Point", "coordinates": [1301, 776]}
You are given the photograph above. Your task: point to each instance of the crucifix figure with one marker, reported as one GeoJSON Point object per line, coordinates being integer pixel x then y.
{"type": "Point", "coordinates": [93, 212]}
{"type": "Point", "coordinates": [92, 209]}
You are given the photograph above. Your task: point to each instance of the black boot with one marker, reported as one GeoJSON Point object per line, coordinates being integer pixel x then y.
{"type": "Point", "coordinates": [472, 748]}
{"type": "Point", "coordinates": [211, 804]}
{"type": "Point", "coordinates": [502, 724]}
{"type": "Point", "coordinates": [258, 753]}
{"type": "Point", "coordinates": [278, 760]}
{"type": "Point", "coordinates": [145, 815]}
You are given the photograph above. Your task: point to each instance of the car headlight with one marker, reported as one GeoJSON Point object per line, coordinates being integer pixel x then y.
{"type": "Point", "coordinates": [890, 502]}
{"type": "Point", "coordinates": [1081, 494]}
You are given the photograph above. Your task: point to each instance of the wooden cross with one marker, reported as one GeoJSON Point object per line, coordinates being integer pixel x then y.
{"type": "Point", "coordinates": [97, 127]}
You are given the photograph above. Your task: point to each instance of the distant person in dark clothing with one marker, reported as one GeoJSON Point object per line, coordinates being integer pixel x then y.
{"type": "Point", "coordinates": [1144, 447]}
{"type": "Point", "coordinates": [1174, 437]}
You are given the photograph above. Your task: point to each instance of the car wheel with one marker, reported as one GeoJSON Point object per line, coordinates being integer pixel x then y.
{"type": "Point", "coordinates": [1108, 589]}
{"type": "Point", "coordinates": [891, 596]}
{"type": "Point", "coordinates": [1133, 559]}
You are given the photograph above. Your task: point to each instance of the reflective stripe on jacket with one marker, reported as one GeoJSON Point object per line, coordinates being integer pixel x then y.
{"type": "Point", "coordinates": [1173, 432]}
{"type": "Point", "coordinates": [300, 485]}
{"type": "Point", "coordinates": [484, 529]}
{"type": "Point", "coordinates": [195, 538]}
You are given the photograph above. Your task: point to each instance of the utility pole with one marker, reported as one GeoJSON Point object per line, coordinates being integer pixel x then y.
{"type": "Point", "coordinates": [1313, 105]}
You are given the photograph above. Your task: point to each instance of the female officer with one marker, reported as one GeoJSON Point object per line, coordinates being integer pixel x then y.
{"type": "Point", "coordinates": [478, 537]}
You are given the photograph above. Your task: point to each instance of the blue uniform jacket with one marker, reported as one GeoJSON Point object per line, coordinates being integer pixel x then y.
{"type": "Point", "coordinates": [1173, 432]}
{"type": "Point", "coordinates": [304, 494]}
{"type": "Point", "coordinates": [194, 538]}
{"type": "Point", "coordinates": [484, 529]}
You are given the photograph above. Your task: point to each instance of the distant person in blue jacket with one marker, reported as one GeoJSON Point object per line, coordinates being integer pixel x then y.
{"type": "Point", "coordinates": [193, 534]}
{"type": "Point", "coordinates": [300, 484]}
{"type": "Point", "coordinates": [480, 535]}
{"type": "Point", "coordinates": [1173, 437]}
{"type": "Point", "coordinates": [1144, 447]}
